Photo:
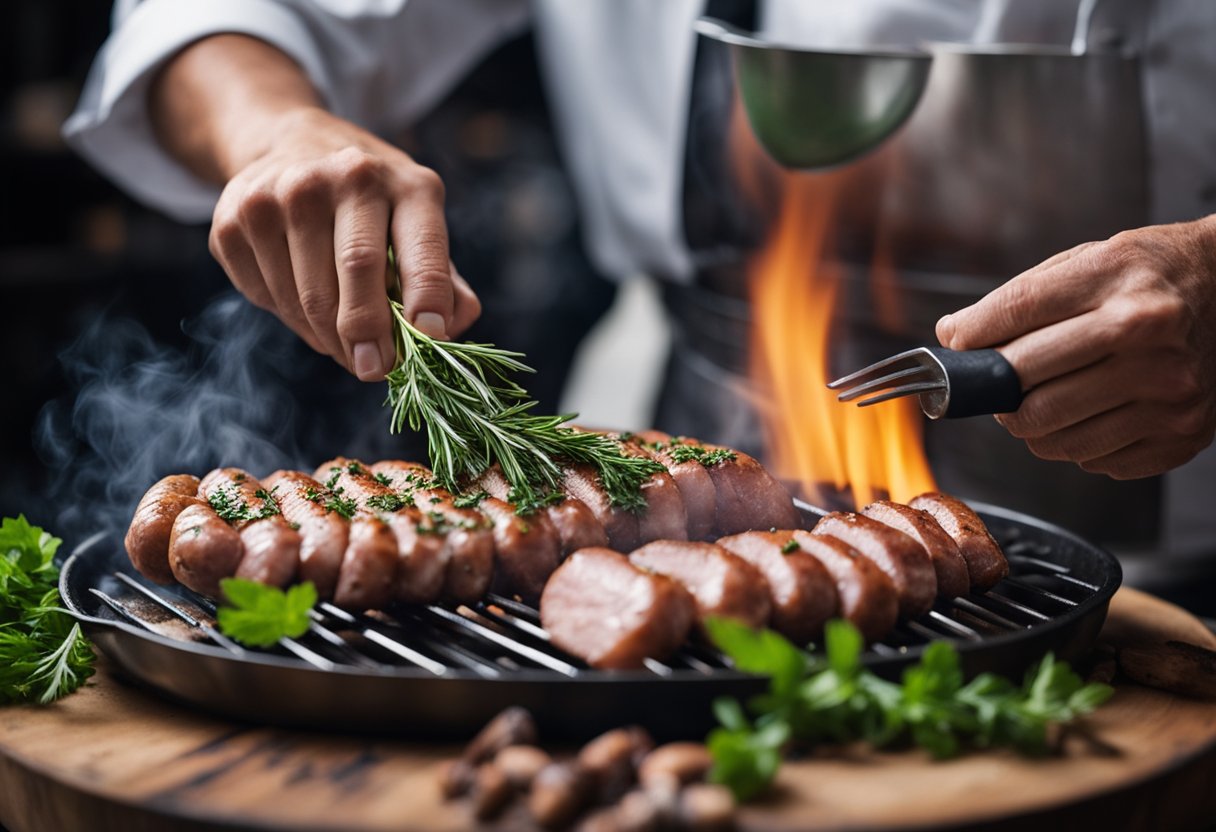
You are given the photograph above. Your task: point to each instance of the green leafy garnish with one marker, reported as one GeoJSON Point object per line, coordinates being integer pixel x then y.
{"type": "Point", "coordinates": [835, 699]}
{"type": "Point", "coordinates": [344, 506]}
{"type": "Point", "coordinates": [476, 415]}
{"type": "Point", "coordinates": [43, 654]}
{"type": "Point", "coordinates": [382, 478]}
{"type": "Point", "coordinates": [230, 507]}
{"type": "Point", "coordinates": [387, 502]}
{"type": "Point", "coordinates": [687, 452]}
{"type": "Point", "coordinates": [260, 615]}
{"type": "Point", "coordinates": [791, 545]}
{"type": "Point", "coordinates": [472, 500]}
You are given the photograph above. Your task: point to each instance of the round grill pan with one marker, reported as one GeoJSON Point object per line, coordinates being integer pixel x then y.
{"type": "Point", "coordinates": [443, 672]}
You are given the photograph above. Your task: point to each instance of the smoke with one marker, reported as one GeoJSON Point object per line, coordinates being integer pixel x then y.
{"type": "Point", "coordinates": [143, 410]}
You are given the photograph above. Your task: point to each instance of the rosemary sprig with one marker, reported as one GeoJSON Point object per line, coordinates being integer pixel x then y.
{"type": "Point", "coordinates": [477, 415]}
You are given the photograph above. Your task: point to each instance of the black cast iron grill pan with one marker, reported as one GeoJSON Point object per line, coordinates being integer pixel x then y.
{"type": "Point", "coordinates": [442, 671]}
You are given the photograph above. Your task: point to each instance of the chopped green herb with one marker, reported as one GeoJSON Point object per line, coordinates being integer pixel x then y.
{"type": "Point", "coordinates": [525, 504]}
{"type": "Point", "coordinates": [334, 474]}
{"type": "Point", "coordinates": [354, 467]}
{"type": "Point", "coordinates": [386, 502]}
{"type": "Point", "coordinates": [700, 454]}
{"type": "Point", "coordinates": [383, 478]}
{"type": "Point", "coordinates": [260, 615]}
{"type": "Point", "coordinates": [312, 495]}
{"type": "Point", "coordinates": [294, 525]}
{"type": "Point", "coordinates": [791, 545]}
{"type": "Point", "coordinates": [341, 505]}
{"type": "Point", "coordinates": [228, 506]}
{"type": "Point", "coordinates": [470, 500]}
{"type": "Point", "coordinates": [269, 507]}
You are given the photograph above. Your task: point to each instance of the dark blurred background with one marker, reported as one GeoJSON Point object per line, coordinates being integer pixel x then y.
{"type": "Point", "coordinates": [71, 245]}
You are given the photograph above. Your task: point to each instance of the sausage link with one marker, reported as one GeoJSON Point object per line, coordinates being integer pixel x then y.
{"type": "Point", "coordinates": [421, 556]}
{"type": "Point", "coordinates": [203, 549]}
{"type": "Point", "coordinates": [466, 532]}
{"type": "Point", "coordinates": [272, 546]}
{"type": "Point", "coordinates": [986, 563]}
{"type": "Point", "coordinates": [147, 539]}
{"type": "Point", "coordinates": [324, 533]}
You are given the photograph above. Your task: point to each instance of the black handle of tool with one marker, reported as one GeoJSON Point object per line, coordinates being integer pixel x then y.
{"type": "Point", "coordinates": [981, 382]}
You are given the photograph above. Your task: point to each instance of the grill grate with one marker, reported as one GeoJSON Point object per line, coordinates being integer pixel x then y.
{"type": "Point", "coordinates": [502, 635]}
{"type": "Point", "coordinates": [443, 671]}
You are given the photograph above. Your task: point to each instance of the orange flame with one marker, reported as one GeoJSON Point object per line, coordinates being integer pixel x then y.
{"type": "Point", "coordinates": [875, 452]}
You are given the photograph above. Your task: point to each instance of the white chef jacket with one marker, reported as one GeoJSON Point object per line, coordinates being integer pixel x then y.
{"type": "Point", "coordinates": [618, 74]}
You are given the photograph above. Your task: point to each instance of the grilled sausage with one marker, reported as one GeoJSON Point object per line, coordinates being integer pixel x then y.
{"type": "Point", "coordinates": [867, 594]}
{"type": "Point", "coordinates": [324, 533]}
{"type": "Point", "coordinates": [203, 549]}
{"type": "Point", "coordinates": [901, 557]}
{"type": "Point", "coordinates": [421, 555]}
{"type": "Point", "coordinates": [468, 536]}
{"type": "Point", "coordinates": [952, 577]}
{"type": "Point", "coordinates": [721, 583]}
{"type": "Point", "coordinates": [369, 566]}
{"type": "Point", "coordinates": [664, 517]}
{"type": "Point", "coordinates": [603, 609]}
{"type": "Point", "coordinates": [527, 550]}
{"type": "Point", "coordinates": [582, 482]}
{"type": "Point", "coordinates": [802, 590]}
{"type": "Point", "coordinates": [746, 496]}
{"type": "Point", "coordinates": [691, 478]}
{"type": "Point", "coordinates": [147, 539]}
{"type": "Point", "coordinates": [272, 546]}
{"type": "Point", "coordinates": [986, 562]}
{"type": "Point", "coordinates": [577, 526]}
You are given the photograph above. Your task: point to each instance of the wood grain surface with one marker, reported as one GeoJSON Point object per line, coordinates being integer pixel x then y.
{"type": "Point", "coordinates": [113, 757]}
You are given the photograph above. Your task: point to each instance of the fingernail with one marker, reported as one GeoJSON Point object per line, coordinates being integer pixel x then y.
{"type": "Point", "coordinates": [368, 366]}
{"type": "Point", "coordinates": [432, 324]}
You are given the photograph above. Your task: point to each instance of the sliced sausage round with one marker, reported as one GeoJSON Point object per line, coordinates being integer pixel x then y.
{"type": "Point", "coordinates": [802, 590]}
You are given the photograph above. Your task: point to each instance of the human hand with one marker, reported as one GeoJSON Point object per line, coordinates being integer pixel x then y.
{"type": "Point", "coordinates": [303, 228]}
{"type": "Point", "coordinates": [1116, 343]}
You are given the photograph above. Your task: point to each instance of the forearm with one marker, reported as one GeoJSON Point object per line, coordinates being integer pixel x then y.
{"type": "Point", "coordinates": [215, 105]}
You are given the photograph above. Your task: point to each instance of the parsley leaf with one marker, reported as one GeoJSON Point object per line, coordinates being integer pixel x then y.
{"type": "Point", "coordinates": [43, 654]}
{"type": "Point", "coordinates": [260, 615]}
{"type": "Point", "coordinates": [834, 698]}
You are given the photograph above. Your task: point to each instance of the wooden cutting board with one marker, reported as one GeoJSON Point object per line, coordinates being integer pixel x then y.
{"type": "Point", "coordinates": [113, 757]}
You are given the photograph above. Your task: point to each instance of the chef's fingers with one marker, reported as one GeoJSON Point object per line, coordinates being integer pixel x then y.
{"type": "Point", "coordinates": [466, 307]}
{"type": "Point", "coordinates": [1088, 392]}
{"type": "Point", "coordinates": [232, 251]}
{"type": "Point", "coordinates": [308, 212]}
{"type": "Point", "coordinates": [1172, 428]}
{"type": "Point", "coordinates": [364, 323]}
{"type": "Point", "coordinates": [420, 243]}
{"type": "Point", "coordinates": [1145, 458]}
{"type": "Point", "coordinates": [1063, 347]}
{"type": "Point", "coordinates": [1099, 435]}
{"type": "Point", "coordinates": [263, 223]}
{"type": "Point", "coordinates": [1058, 288]}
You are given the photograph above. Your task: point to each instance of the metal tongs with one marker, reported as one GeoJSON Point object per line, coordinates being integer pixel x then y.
{"type": "Point", "coordinates": [948, 384]}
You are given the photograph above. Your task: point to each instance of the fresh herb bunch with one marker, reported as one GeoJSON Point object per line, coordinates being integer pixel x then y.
{"type": "Point", "coordinates": [43, 654]}
{"type": "Point", "coordinates": [476, 415]}
{"type": "Point", "coordinates": [260, 615]}
{"type": "Point", "coordinates": [835, 699]}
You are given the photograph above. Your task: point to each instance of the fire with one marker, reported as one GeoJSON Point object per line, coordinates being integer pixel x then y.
{"type": "Point", "coordinates": [875, 452]}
